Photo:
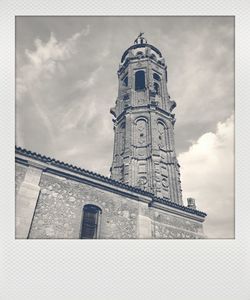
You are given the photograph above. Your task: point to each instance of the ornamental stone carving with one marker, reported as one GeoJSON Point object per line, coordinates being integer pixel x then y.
{"type": "Point", "coordinates": [165, 183]}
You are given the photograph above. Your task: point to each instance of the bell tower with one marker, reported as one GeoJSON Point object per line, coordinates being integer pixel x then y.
{"type": "Point", "coordinates": [144, 151]}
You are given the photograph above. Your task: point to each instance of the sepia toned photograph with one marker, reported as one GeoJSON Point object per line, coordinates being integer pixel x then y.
{"type": "Point", "coordinates": [124, 127]}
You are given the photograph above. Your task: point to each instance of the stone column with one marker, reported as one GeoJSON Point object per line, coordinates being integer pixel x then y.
{"type": "Point", "coordinates": [26, 200]}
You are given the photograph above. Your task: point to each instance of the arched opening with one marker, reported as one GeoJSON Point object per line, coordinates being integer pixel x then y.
{"type": "Point", "coordinates": [139, 80]}
{"type": "Point", "coordinates": [157, 83]}
{"type": "Point", "coordinates": [141, 131]}
{"type": "Point", "coordinates": [90, 222]}
{"type": "Point", "coordinates": [157, 88]}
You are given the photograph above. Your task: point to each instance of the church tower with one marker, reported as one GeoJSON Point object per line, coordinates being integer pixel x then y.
{"type": "Point", "coordinates": [144, 150]}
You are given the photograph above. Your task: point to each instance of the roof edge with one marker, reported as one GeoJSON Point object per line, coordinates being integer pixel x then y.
{"type": "Point", "coordinates": [81, 171]}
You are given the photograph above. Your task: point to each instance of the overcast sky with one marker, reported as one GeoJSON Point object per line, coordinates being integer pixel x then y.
{"type": "Point", "coordinates": [66, 82]}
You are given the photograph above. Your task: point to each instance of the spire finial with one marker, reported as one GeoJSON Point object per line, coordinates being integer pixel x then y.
{"type": "Point", "coordinates": [140, 39]}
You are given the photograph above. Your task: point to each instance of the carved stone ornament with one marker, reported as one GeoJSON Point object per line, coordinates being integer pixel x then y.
{"type": "Point", "coordinates": [140, 126]}
{"type": "Point", "coordinates": [142, 180]}
{"type": "Point", "coordinates": [161, 140]}
{"type": "Point", "coordinates": [141, 151]}
{"type": "Point", "coordinates": [164, 182]}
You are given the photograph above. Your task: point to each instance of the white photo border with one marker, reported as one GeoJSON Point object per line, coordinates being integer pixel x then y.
{"type": "Point", "coordinates": [130, 269]}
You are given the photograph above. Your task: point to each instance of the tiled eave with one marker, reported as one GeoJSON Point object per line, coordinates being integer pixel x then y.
{"type": "Point", "coordinates": [60, 168]}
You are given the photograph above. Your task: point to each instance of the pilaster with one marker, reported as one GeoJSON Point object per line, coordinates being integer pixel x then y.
{"type": "Point", "coordinates": [144, 223]}
{"type": "Point", "coordinates": [26, 200]}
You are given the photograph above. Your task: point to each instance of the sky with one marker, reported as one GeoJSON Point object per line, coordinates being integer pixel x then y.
{"type": "Point", "coordinates": [66, 83]}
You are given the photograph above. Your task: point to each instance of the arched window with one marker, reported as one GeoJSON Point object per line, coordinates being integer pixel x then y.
{"type": "Point", "coordinates": [91, 215]}
{"type": "Point", "coordinates": [157, 88]}
{"type": "Point", "coordinates": [139, 80]}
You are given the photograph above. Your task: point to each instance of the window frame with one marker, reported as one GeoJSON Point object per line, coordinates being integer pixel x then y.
{"type": "Point", "coordinates": [97, 212]}
{"type": "Point", "coordinates": [135, 81]}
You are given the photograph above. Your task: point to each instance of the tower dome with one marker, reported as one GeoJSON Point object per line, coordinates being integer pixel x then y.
{"type": "Point", "coordinates": [141, 45]}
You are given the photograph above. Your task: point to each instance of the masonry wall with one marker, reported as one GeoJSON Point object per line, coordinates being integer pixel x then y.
{"type": "Point", "coordinates": [58, 211]}
{"type": "Point", "coordinates": [165, 225]}
{"type": "Point", "coordinates": [60, 206]}
{"type": "Point", "coordinates": [168, 226]}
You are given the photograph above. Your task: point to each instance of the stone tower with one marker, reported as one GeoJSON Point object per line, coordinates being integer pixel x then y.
{"type": "Point", "coordinates": [144, 151]}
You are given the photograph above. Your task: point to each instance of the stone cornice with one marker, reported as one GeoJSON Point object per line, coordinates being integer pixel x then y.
{"type": "Point", "coordinates": [58, 167]}
{"type": "Point", "coordinates": [177, 208]}
{"type": "Point", "coordinates": [145, 108]}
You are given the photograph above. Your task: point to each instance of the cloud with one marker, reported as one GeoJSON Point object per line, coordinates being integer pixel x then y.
{"type": "Point", "coordinates": [37, 81]}
{"type": "Point", "coordinates": [207, 173]}
{"type": "Point", "coordinates": [201, 76]}
{"type": "Point", "coordinates": [46, 60]}
{"type": "Point", "coordinates": [62, 108]}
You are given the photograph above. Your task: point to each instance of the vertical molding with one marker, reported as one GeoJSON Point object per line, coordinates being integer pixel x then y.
{"type": "Point", "coordinates": [26, 200]}
{"type": "Point", "coordinates": [144, 223]}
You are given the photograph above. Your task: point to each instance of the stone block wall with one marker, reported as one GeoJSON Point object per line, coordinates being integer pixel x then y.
{"type": "Point", "coordinates": [168, 226]}
{"type": "Point", "coordinates": [60, 207]}
{"type": "Point", "coordinates": [165, 225]}
{"type": "Point", "coordinates": [49, 205]}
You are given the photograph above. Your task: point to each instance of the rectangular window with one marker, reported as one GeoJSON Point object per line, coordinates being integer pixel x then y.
{"type": "Point", "coordinates": [139, 80]}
